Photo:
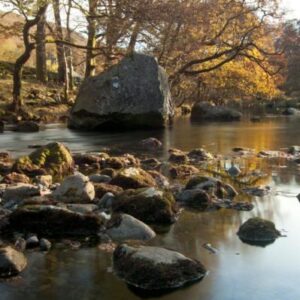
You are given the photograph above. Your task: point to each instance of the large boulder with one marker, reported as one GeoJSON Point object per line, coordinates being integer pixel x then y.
{"type": "Point", "coordinates": [132, 94]}
{"type": "Point", "coordinates": [124, 227]}
{"type": "Point", "coordinates": [47, 220]}
{"type": "Point", "coordinates": [154, 268]}
{"type": "Point", "coordinates": [75, 189]}
{"type": "Point", "coordinates": [53, 158]}
{"type": "Point", "coordinates": [12, 262]}
{"type": "Point", "coordinates": [149, 205]}
{"type": "Point", "coordinates": [258, 231]}
{"type": "Point", "coordinates": [204, 111]}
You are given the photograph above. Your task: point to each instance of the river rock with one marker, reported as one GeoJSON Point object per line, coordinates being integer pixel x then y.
{"type": "Point", "coordinates": [44, 180]}
{"type": "Point", "coordinates": [102, 188]}
{"type": "Point", "coordinates": [106, 201]}
{"type": "Point", "coordinates": [291, 111]}
{"type": "Point", "coordinates": [54, 159]}
{"type": "Point", "coordinates": [257, 230]}
{"type": "Point", "coordinates": [20, 191]}
{"type": "Point", "coordinates": [48, 220]}
{"type": "Point", "coordinates": [151, 144]}
{"type": "Point", "coordinates": [28, 126]}
{"type": "Point", "coordinates": [182, 171]}
{"type": "Point", "coordinates": [234, 171]}
{"type": "Point", "coordinates": [194, 198]}
{"type": "Point", "coordinates": [99, 178]}
{"type": "Point", "coordinates": [124, 97]}
{"type": "Point", "coordinates": [32, 242]}
{"type": "Point", "coordinates": [45, 245]}
{"type": "Point", "coordinates": [222, 190]}
{"type": "Point", "coordinates": [16, 178]}
{"type": "Point", "coordinates": [125, 227]}
{"type": "Point", "coordinates": [178, 157]}
{"type": "Point", "coordinates": [294, 150]}
{"type": "Point", "coordinates": [200, 155]}
{"type": "Point", "coordinates": [133, 178]}
{"type": "Point", "coordinates": [149, 205]}
{"type": "Point", "coordinates": [75, 189]}
{"type": "Point", "coordinates": [12, 262]}
{"type": "Point", "coordinates": [208, 112]}
{"type": "Point", "coordinates": [154, 268]}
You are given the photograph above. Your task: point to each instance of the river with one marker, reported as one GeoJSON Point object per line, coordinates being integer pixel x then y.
{"type": "Point", "coordinates": [237, 271]}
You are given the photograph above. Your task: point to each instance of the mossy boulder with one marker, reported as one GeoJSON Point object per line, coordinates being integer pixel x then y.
{"type": "Point", "coordinates": [154, 268]}
{"type": "Point", "coordinates": [258, 231]}
{"type": "Point", "coordinates": [102, 188]}
{"type": "Point", "coordinates": [54, 159]}
{"type": "Point", "coordinates": [48, 220]}
{"type": "Point", "coordinates": [133, 178]}
{"type": "Point", "coordinates": [149, 205]}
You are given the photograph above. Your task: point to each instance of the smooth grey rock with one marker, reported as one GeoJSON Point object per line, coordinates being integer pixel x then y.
{"type": "Point", "coordinates": [193, 198]}
{"type": "Point", "coordinates": [125, 96]}
{"type": "Point", "coordinates": [99, 178]}
{"type": "Point", "coordinates": [106, 201]}
{"type": "Point", "coordinates": [154, 268]}
{"type": "Point", "coordinates": [12, 262]}
{"type": "Point", "coordinates": [125, 227]}
{"type": "Point", "coordinates": [234, 171]}
{"type": "Point", "coordinates": [75, 189]}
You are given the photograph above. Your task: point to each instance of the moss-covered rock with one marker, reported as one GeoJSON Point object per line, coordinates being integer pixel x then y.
{"type": "Point", "coordinates": [133, 178]}
{"type": "Point", "coordinates": [53, 158]}
{"type": "Point", "coordinates": [182, 171]}
{"type": "Point", "coordinates": [15, 178]}
{"type": "Point", "coordinates": [149, 205]}
{"type": "Point", "coordinates": [154, 268]}
{"type": "Point", "coordinates": [258, 231]}
{"type": "Point", "coordinates": [47, 220]}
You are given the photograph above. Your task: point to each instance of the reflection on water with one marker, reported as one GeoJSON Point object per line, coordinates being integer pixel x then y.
{"type": "Point", "coordinates": [237, 271]}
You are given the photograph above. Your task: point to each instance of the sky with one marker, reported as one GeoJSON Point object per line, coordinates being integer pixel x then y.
{"type": "Point", "coordinates": [293, 8]}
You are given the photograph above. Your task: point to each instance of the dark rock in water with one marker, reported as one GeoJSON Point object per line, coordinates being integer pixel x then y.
{"type": "Point", "coordinates": [234, 171]}
{"type": "Point", "coordinates": [204, 111]}
{"type": "Point", "coordinates": [255, 119]}
{"type": "Point", "coordinates": [125, 227]}
{"type": "Point", "coordinates": [154, 268]}
{"type": "Point", "coordinates": [12, 262]}
{"type": "Point", "coordinates": [149, 205]}
{"type": "Point", "coordinates": [290, 111]}
{"type": "Point", "coordinates": [54, 159]}
{"type": "Point", "coordinates": [298, 197]}
{"type": "Point", "coordinates": [124, 97]}
{"type": "Point", "coordinates": [45, 245]}
{"type": "Point", "coordinates": [178, 158]}
{"type": "Point", "coordinates": [32, 242]}
{"type": "Point", "coordinates": [133, 178]}
{"type": "Point", "coordinates": [258, 191]}
{"type": "Point", "coordinates": [151, 144]}
{"type": "Point", "coordinates": [194, 198]}
{"type": "Point", "coordinates": [221, 190]}
{"type": "Point", "coordinates": [47, 220]}
{"type": "Point", "coordinates": [294, 150]}
{"type": "Point", "coordinates": [150, 163]}
{"type": "Point", "coordinates": [28, 126]}
{"type": "Point", "coordinates": [200, 155]}
{"type": "Point", "coordinates": [258, 231]}
{"type": "Point", "coordinates": [106, 201]}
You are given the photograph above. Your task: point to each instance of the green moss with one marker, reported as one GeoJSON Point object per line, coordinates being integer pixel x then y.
{"type": "Point", "coordinates": [158, 208]}
{"type": "Point", "coordinates": [55, 158]}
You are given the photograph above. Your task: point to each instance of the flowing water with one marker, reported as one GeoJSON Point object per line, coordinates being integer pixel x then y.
{"type": "Point", "coordinates": [237, 271]}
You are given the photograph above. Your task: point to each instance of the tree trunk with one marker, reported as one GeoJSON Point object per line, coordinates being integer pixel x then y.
{"type": "Point", "coordinates": [60, 49]}
{"type": "Point", "coordinates": [133, 38]}
{"type": "Point", "coordinates": [41, 67]}
{"type": "Point", "coordinates": [69, 52]}
{"type": "Point", "coordinates": [28, 47]}
{"type": "Point", "coordinates": [91, 40]}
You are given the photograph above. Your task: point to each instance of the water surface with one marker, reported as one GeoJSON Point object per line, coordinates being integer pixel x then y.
{"type": "Point", "coordinates": [238, 271]}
